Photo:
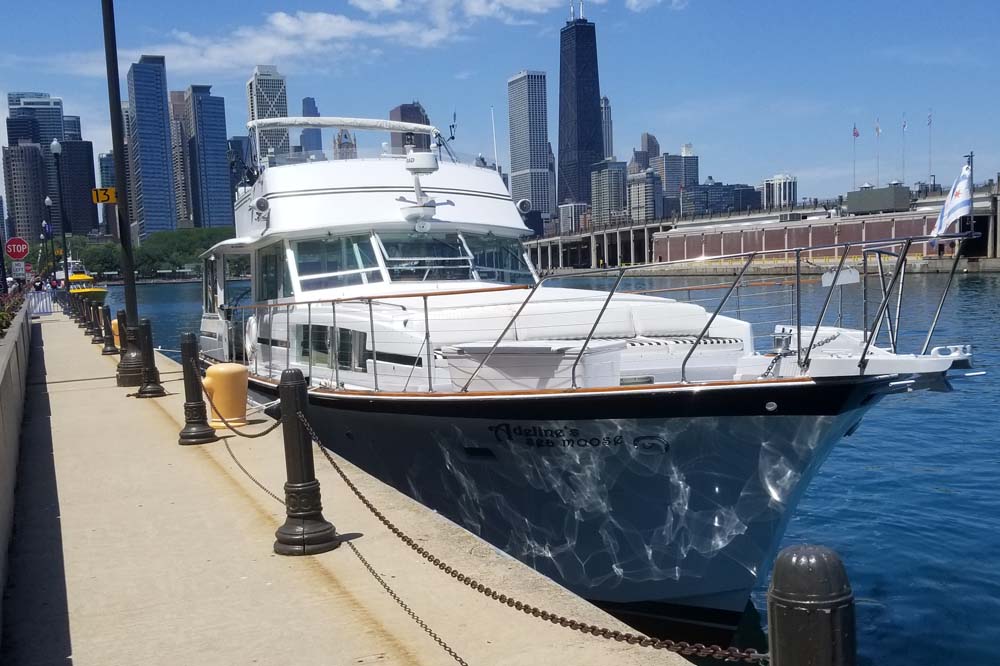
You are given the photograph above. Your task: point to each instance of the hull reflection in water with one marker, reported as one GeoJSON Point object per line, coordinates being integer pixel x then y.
{"type": "Point", "coordinates": [668, 516]}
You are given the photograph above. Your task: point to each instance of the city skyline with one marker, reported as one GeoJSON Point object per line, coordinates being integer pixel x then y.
{"type": "Point", "coordinates": [746, 129]}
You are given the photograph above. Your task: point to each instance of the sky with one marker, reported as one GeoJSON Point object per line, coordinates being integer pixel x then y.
{"type": "Point", "coordinates": [758, 88]}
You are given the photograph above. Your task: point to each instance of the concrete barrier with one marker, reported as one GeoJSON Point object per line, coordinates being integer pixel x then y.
{"type": "Point", "coordinates": [14, 350]}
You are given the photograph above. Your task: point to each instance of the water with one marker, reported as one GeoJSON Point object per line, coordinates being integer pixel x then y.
{"type": "Point", "coordinates": [910, 501]}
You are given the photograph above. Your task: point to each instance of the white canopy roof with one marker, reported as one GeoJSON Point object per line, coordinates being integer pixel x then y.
{"type": "Point", "coordinates": [372, 124]}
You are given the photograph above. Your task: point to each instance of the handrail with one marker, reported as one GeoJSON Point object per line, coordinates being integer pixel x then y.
{"type": "Point", "coordinates": [882, 307]}
{"type": "Point", "coordinates": [711, 320]}
{"type": "Point", "coordinates": [597, 321]}
{"type": "Point", "coordinates": [944, 296]}
{"type": "Point", "coordinates": [876, 246]}
{"type": "Point", "coordinates": [826, 305]}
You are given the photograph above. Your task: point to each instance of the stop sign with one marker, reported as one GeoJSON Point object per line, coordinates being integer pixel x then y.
{"type": "Point", "coordinates": [16, 248]}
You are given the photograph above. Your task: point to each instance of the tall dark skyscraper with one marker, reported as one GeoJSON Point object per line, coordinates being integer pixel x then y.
{"type": "Point", "coordinates": [410, 113]}
{"type": "Point", "coordinates": [149, 147]}
{"type": "Point", "coordinates": [71, 128]}
{"type": "Point", "coordinates": [77, 164]}
{"type": "Point", "coordinates": [205, 135]}
{"type": "Point", "coordinates": [581, 139]}
{"type": "Point", "coordinates": [311, 139]}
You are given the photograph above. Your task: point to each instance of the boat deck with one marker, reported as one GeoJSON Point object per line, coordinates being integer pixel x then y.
{"type": "Point", "coordinates": [131, 549]}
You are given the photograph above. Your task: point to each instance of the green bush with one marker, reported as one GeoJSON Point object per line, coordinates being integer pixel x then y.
{"type": "Point", "coordinates": [9, 307]}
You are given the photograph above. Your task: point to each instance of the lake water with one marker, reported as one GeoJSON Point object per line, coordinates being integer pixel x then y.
{"type": "Point", "coordinates": [910, 501]}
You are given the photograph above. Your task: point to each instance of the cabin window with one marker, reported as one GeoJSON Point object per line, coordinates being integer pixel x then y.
{"type": "Point", "coordinates": [336, 262]}
{"type": "Point", "coordinates": [498, 259]}
{"type": "Point", "coordinates": [210, 286]}
{"type": "Point", "coordinates": [351, 354]}
{"type": "Point", "coordinates": [272, 278]}
{"type": "Point", "coordinates": [419, 256]}
{"type": "Point", "coordinates": [315, 340]}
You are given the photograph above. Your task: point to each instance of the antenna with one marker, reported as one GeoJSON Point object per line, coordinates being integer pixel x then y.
{"type": "Point", "coordinates": [581, 9]}
{"type": "Point", "coordinates": [572, 11]}
{"type": "Point", "coordinates": [493, 123]}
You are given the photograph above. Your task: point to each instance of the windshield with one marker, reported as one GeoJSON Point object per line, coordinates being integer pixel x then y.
{"type": "Point", "coordinates": [419, 257]}
{"type": "Point", "coordinates": [409, 257]}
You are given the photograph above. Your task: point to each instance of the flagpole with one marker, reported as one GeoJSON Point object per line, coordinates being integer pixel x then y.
{"type": "Point", "coordinates": [854, 161]}
{"type": "Point", "coordinates": [903, 179]}
{"type": "Point", "coordinates": [878, 148]}
{"type": "Point", "coordinates": [930, 169]}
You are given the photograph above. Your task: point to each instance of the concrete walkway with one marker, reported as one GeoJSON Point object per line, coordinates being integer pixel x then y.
{"type": "Point", "coordinates": [129, 549]}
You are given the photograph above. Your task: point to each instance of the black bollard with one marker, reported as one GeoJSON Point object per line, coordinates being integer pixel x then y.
{"type": "Point", "coordinates": [120, 316]}
{"type": "Point", "coordinates": [109, 334]}
{"type": "Point", "coordinates": [810, 609]}
{"type": "Point", "coordinates": [84, 321]}
{"type": "Point", "coordinates": [305, 531]}
{"type": "Point", "coordinates": [151, 387]}
{"type": "Point", "coordinates": [98, 328]}
{"type": "Point", "coordinates": [196, 429]}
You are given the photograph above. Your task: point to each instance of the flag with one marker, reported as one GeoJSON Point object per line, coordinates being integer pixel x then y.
{"type": "Point", "coordinates": [904, 124]}
{"type": "Point", "coordinates": [46, 230]}
{"type": "Point", "coordinates": [928, 118]}
{"type": "Point", "coordinates": [878, 128]}
{"type": "Point", "coordinates": [958, 203]}
{"type": "Point", "coordinates": [856, 132]}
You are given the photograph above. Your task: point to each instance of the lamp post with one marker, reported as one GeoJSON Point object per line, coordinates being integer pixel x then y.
{"type": "Point", "coordinates": [45, 246]}
{"type": "Point", "coordinates": [130, 366]}
{"type": "Point", "coordinates": [56, 149]}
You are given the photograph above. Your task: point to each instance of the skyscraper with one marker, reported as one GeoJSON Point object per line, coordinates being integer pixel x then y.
{"type": "Point", "coordinates": [149, 147]}
{"type": "Point", "coordinates": [581, 140]}
{"type": "Point", "coordinates": [645, 196]}
{"type": "Point", "coordinates": [529, 141]}
{"type": "Point", "coordinates": [606, 129]}
{"type": "Point", "coordinates": [410, 113]}
{"type": "Point", "coordinates": [267, 98]}
{"type": "Point", "coordinates": [25, 183]}
{"type": "Point", "coordinates": [779, 191]}
{"type": "Point", "coordinates": [22, 130]}
{"type": "Point", "coordinates": [648, 143]}
{"type": "Point", "coordinates": [71, 128]}
{"type": "Point", "coordinates": [180, 159]}
{"type": "Point", "coordinates": [608, 191]}
{"type": "Point", "coordinates": [77, 164]}
{"type": "Point", "coordinates": [106, 174]}
{"type": "Point", "coordinates": [47, 111]}
{"type": "Point", "coordinates": [130, 199]}
{"type": "Point", "coordinates": [345, 146]}
{"type": "Point", "coordinates": [311, 139]}
{"type": "Point", "coordinates": [205, 135]}
{"type": "Point", "coordinates": [689, 161]}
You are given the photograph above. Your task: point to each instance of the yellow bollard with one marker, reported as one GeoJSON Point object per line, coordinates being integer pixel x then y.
{"type": "Point", "coordinates": [226, 383]}
{"type": "Point", "coordinates": [114, 332]}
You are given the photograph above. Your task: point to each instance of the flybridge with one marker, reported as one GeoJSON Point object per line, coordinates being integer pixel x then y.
{"type": "Point", "coordinates": [364, 124]}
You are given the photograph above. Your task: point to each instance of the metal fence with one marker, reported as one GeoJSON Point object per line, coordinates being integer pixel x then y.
{"type": "Point", "coordinates": [39, 302]}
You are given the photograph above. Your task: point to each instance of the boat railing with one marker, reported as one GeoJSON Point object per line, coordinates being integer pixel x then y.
{"type": "Point", "coordinates": [745, 286]}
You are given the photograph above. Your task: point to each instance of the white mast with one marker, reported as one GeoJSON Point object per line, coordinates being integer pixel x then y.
{"type": "Point", "coordinates": [496, 160]}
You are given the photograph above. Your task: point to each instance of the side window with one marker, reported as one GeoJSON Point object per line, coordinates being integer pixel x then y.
{"type": "Point", "coordinates": [271, 272]}
{"type": "Point", "coordinates": [210, 285]}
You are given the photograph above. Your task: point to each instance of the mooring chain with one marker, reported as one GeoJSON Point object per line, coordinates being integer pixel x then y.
{"type": "Point", "coordinates": [216, 412]}
{"type": "Point", "coordinates": [402, 604]}
{"type": "Point", "coordinates": [779, 356]}
{"type": "Point", "coordinates": [680, 647]}
{"type": "Point", "coordinates": [409, 611]}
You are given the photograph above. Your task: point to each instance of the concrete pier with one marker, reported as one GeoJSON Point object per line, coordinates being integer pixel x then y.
{"type": "Point", "coordinates": [129, 549]}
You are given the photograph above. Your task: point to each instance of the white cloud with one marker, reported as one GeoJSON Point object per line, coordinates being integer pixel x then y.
{"type": "Point", "coordinates": [642, 5]}
{"type": "Point", "coordinates": [317, 39]}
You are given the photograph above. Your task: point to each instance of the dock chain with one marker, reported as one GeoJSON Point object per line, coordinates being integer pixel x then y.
{"type": "Point", "coordinates": [680, 647]}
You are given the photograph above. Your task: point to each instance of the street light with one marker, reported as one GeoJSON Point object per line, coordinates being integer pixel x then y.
{"type": "Point", "coordinates": [56, 149]}
{"type": "Point", "coordinates": [52, 240]}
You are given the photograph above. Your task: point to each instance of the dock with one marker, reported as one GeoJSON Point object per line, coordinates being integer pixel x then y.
{"type": "Point", "coordinates": [130, 549]}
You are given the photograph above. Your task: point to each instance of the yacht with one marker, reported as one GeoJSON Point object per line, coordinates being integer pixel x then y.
{"type": "Point", "coordinates": [642, 448]}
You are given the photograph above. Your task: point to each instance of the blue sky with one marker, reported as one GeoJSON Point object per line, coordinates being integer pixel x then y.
{"type": "Point", "coordinates": [758, 87]}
